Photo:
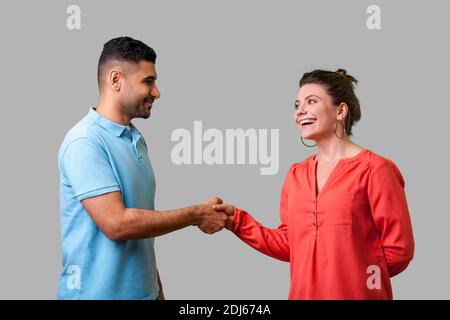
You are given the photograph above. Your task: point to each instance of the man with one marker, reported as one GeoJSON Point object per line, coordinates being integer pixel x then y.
{"type": "Point", "coordinates": [108, 221]}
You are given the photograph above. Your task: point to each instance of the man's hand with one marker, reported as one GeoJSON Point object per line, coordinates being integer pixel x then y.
{"type": "Point", "coordinates": [212, 201]}
{"type": "Point", "coordinates": [228, 209]}
{"type": "Point", "coordinates": [211, 220]}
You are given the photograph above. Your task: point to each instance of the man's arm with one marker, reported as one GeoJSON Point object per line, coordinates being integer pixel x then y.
{"type": "Point", "coordinates": [161, 292]}
{"type": "Point", "coordinates": [119, 223]}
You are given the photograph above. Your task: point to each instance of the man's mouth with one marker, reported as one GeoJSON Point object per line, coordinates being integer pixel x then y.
{"type": "Point", "coordinates": [307, 122]}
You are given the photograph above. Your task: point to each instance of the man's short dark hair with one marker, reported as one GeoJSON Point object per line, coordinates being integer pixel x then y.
{"type": "Point", "coordinates": [125, 49]}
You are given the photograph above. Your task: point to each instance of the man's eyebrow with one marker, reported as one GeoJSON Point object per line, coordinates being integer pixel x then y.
{"type": "Point", "coordinates": [151, 77]}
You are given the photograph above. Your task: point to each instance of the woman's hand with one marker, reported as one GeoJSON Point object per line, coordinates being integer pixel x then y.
{"type": "Point", "coordinates": [228, 209]}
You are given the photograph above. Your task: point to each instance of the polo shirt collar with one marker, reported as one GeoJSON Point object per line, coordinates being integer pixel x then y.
{"type": "Point", "coordinates": [110, 126]}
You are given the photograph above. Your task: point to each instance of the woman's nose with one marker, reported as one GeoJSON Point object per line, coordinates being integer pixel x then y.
{"type": "Point", "coordinates": [300, 109]}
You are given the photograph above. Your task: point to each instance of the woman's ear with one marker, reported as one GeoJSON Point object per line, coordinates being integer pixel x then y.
{"type": "Point", "coordinates": [342, 111]}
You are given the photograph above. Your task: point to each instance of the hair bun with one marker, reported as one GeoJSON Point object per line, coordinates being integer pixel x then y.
{"type": "Point", "coordinates": [342, 72]}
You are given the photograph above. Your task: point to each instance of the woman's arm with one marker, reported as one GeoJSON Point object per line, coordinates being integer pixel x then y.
{"type": "Point", "coordinates": [391, 216]}
{"type": "Point", "coordinates": [272, 242]}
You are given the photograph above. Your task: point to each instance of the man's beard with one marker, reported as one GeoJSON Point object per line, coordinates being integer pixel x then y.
{"type": "Point", "coordinates": [135, 109]}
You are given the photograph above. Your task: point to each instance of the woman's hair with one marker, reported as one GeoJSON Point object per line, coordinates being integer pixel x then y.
{"type": "Point", "coordinates": [340, 86]}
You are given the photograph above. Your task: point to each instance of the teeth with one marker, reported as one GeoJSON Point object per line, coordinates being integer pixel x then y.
{"type": "Point", "coordinates": [304, 121]}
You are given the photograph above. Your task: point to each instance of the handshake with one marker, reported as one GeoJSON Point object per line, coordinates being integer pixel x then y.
{"type": "Point", "coordinates": [213, 215]}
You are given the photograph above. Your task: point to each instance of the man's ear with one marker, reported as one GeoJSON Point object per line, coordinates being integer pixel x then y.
{"type": "Point", "coordinates": [115, 79]}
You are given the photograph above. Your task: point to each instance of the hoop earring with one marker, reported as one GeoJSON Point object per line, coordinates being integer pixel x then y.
{"type": "Point", "coordinates": [301, 138]}
{"type": "Point", "coordinates": [334, 129]}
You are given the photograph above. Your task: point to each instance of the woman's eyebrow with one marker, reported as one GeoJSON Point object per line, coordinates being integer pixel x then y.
{"type": "Point", "coordinates": [313, 95]}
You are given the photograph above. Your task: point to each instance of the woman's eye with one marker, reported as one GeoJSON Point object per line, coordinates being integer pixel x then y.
{"type": "Point", "coordinates": [310, 101]}
{"type": "Point", "coordinates": [296, 106]}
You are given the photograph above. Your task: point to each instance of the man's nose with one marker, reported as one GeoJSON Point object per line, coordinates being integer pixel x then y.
{"type": "Point", "coordinates": [155, 92]}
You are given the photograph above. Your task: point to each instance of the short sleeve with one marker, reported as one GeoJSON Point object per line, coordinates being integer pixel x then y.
{"type": "Point", "coordinates": [86, 166]}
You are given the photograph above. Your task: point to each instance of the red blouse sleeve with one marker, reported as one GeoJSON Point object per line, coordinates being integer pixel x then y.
{"type": "Point", "coordinates": [272, 242]}
{"type": "Point", "coordinates": [391, 216]}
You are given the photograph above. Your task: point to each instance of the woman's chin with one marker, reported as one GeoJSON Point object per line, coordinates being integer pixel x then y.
{"type": "Point", "coordinates": [307, 136]}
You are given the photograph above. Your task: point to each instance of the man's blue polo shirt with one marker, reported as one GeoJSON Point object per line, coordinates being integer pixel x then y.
{"type": "Point", "coordinates": [99, 156]}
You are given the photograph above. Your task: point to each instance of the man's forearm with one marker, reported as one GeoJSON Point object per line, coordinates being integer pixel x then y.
{"type": "Point", "coordinates": [137, 224]}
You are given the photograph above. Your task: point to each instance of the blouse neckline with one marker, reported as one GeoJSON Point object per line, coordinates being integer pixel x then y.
{"type": "Point", "coordinates": [355, 157]}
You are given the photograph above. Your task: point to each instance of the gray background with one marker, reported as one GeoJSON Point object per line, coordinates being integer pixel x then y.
{"type": "Point", "coordinates": [231, 64]}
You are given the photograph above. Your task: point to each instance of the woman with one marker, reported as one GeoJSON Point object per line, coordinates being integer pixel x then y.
{"type": "Point", "coordinates": [345, 226]}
